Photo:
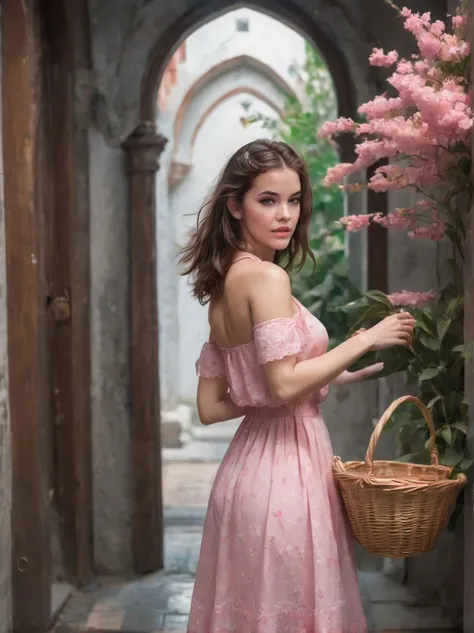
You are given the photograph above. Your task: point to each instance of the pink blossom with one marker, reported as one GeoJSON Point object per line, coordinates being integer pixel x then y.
{"type": "Point", "coordinates": [436, 232]}
{"type": "Point", "coordinates": [412, 299]}
{"type": "Point", "coordinates": [416, 23]}
{"type": "Point", "coordinates": [400, 219]}
{"type": "Point", "coordinates": [404, 67]}
{"type": "Point", "coordinates": [437, 28]}
{"type": "Point", "coordinates": [381, 107]}
{"type": "Point", "coordinates": [460, 22]}
{"type": "Point", "coordinates": [355, 223]}
{"type": "Point", "coordinates": [379, 58]}
{"type": "Point", "coordinates": [338, 173]}
{"type": "Point", "coordinates": [453, 49]}
{"type": "Point", "coordinates": [329, 128]}
{"type": "Point", "coordinates": [429, 46]}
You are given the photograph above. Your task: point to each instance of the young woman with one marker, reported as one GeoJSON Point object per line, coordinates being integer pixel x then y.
{"type": "Point", "coordinates": [276, 554]}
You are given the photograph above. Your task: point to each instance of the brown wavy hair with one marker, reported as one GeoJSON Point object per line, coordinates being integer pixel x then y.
{"type": "Point", "coordinates": [208, 254]}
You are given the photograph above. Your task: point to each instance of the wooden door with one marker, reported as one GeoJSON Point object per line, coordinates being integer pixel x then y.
{"type": "Point", "coordinates": [47, 260]}
{"type": "Point", "coordinates": [30, 415]}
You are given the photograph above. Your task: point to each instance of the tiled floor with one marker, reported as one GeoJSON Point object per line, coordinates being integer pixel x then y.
{"type": "Point", "coordinates": [160, 602]}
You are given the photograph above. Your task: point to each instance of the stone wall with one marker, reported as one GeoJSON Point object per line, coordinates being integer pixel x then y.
{"type": "Point", "coordinates": [5, 445]}
{"type": "Point", "coordinates": [110, 356]}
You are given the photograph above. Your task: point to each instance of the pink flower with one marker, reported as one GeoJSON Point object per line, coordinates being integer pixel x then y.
{"type": "Point", "coordinates": [436, 232]}
{"type": "Point", "coordinates": [329, 128]}
{"type": "Point", "coordinates": [338, 173]}
{"type": "Point", "coordinates": [277, 514]}
{"type": "Point", "coordinates": [429, 45]}
{"type": "Point", "coordinates": [379, 58]}
{"type": "Point", "coordinates": [404, 67]}
{"type": "Point", "coordinates": [381, 107]}
{"type": "Point", "coordinates": [400, 219]}
{"type": "Point", "coordinates": [355, 223]}
{"type": "Point", "coordinates": [412, 299]}
{"type": "Point", "coordinates": [460, 22]}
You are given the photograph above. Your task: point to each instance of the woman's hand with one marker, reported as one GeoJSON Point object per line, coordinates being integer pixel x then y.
{"type": "Point", "coordinates": [348, 377]}
{"type": "Point", "coordinates": [394, 330]}
{"type": "Point", "coordinates": [356, 376]}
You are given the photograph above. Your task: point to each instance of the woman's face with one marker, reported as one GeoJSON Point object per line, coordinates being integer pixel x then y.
{"type": "Point", "coordinates": [270, 211]}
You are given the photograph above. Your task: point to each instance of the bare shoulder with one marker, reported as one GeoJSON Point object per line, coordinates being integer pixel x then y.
{"type": "Point", "coordinates": [270, 293]}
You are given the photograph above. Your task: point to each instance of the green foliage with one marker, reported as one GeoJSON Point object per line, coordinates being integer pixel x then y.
{"type": "Point", "coordinates": [327, 288]}
{"type": "Point", "coordinates": [435, 365]}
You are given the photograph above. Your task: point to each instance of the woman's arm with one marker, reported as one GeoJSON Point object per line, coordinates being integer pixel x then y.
{"type": "Point", "coordinates": [214, 403]}
{"type": "Point", "coordinates": [270, 298]}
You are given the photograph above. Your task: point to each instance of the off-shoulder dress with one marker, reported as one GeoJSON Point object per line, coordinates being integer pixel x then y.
{"type": "Point", "coordinates": [276, 554]}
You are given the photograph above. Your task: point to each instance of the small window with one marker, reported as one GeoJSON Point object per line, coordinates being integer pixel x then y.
{"type": "Point", "coordinates": [243, 25]}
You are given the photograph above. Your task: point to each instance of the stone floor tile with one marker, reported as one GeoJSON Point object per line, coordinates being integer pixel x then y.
{"type": "Point", "coordinates": [188, 484]}
{"type": "Point", "coordinates": [396, 616]}
{"type": "Point", "coordinates": [109, 619]}
{"type": "Point", "coordinates": [174, 622]}
{"type": "Point", "coordinates": [381, 588]}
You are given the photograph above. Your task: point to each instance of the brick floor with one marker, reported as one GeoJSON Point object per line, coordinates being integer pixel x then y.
{"type": "Point", "coordinates": [159, 603]}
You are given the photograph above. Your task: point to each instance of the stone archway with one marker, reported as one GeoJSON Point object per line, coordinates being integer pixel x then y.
{"type": "Point", "coordinates": [147, 526]}
{"type": "Point", "coordinates": [126, 96]}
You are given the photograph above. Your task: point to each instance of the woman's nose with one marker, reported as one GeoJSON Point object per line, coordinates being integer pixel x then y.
{"type": "Point", "coordinates": [284, 212]}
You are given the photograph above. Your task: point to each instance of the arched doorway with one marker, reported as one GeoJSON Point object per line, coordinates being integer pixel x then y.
{"type": "Point", "coordinates": [144, 147]}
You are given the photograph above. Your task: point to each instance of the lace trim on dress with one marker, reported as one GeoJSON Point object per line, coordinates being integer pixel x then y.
{"type": "Point", "coordinates": [276, 339]}
{"type": "Point", "coordinates": [211, 362]}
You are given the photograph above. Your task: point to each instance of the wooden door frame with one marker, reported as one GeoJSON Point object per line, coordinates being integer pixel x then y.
{"type": "Point", "coordinates": [26, 328]}
{"type": "Point", "coordinates": [25, 152]}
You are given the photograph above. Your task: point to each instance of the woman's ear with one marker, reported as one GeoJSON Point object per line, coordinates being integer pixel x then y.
{"type": "Point", "coordinates": [234, 208]}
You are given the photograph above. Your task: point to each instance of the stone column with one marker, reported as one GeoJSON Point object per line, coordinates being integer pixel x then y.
{"type": "Point", "coordinates": [143, 149]}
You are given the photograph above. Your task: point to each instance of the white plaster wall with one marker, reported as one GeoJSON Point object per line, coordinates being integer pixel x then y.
{"type": "Point", "coordinates": [219, 137]}
{"type": "Point", "coordinates": [183, 322]}
{"type": "Point", "coordinates": [218, 89]}
{"type": "Point", "coordinates": [5, 444]}
{"type": "Point", "coordinates": [181, 149]}
{"type": "Point", "coordinates": [268, 40]}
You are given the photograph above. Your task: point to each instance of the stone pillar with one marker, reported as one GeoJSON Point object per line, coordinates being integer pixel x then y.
{"type": "Point", "coordinates": [143, 149]}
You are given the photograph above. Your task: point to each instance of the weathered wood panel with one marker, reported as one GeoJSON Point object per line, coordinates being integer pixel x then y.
{"type": "Point", "coordinates": [28, 389]}
{"type": "Point", "coordinates": [68, 280]}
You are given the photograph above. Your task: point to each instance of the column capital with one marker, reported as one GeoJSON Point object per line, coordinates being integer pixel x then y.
{"type": "Point", "coordinates": [144, 147]}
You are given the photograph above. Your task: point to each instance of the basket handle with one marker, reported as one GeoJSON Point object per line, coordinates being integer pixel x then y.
{"type": "Point", "coordinates": [388, 414]}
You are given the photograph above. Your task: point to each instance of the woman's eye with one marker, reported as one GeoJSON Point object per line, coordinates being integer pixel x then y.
{"type": "Point", "coordinates": [266, 201]}
{"type": "Point", "coordinates": [295, 200]}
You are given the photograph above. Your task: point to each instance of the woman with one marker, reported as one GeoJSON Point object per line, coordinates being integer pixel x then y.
{"type": "Point", "coordinates": [276, 555]}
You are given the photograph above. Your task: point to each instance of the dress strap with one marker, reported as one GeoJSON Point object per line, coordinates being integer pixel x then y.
{"type": "Point", "coordinates": [245, 256]}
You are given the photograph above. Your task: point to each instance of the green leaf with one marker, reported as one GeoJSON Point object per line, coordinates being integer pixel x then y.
{"type": "Point", "coordinates": [414, 458]}
{"type": "Point", "coordinates": [379, 297]}
{"type": "Point", "coordinates": [421, 325]}
{"type": "Point", "coordinates": [429, 342]}
{"type": "Point", "coordinates": [451, 457]}
{"type": "Point", "coordinates": [460, 426]}
{"type": "Point", "coordinates": [443, 326]}
{"type": "Point", "coordinates": [430, 373]}
{"type": "Point", "coordinates": [464, 465]}
{"type": "Point", "coordinates": [433, 401]}
{"type": "Point", "coordinates": [447, 435]}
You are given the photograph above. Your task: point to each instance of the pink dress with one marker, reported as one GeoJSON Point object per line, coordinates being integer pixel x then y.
{"type": "Point", "coordinates": [276, 552]}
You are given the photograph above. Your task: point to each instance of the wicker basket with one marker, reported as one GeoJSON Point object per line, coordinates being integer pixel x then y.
{"type": "Point", "coordinates": [398, 509]}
